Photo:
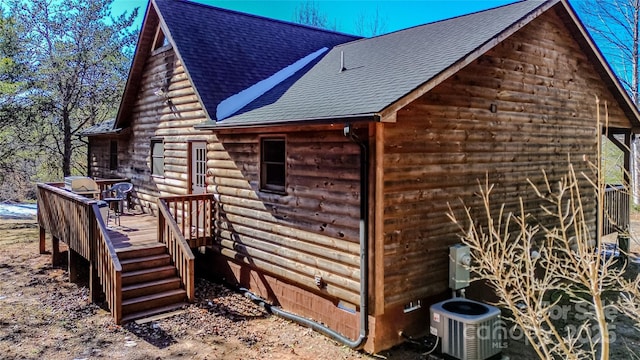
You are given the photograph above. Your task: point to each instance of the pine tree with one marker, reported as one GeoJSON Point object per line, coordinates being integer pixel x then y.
{"type": "Point", "coordinates": [78, 57]}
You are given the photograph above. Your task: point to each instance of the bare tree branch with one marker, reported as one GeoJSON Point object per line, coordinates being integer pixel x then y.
{"type": "Point", "coordinates": [309, 13]}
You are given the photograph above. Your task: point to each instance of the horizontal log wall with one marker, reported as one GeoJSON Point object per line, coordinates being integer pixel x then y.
{"type": "Point", "coordinates": [170, 117]}
{"type": "Point", "coordinates": [99, 156]}
{"type": "Point", "coordinates": [544, 89]}
{"type": "Point", "coordinates": [312, 230]}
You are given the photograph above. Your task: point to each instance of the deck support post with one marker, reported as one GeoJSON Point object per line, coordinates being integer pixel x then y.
{"type": "Point", "coordinates": [73, 258]}
{"type": "Point", "coordinates": [94, 283]}
{"type": "Point", "coordinates": [55, 250]}
{"type": "Point", "coordinates": [43, 247]}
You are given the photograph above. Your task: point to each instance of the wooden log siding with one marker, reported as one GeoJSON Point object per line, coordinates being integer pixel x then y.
{"type": "Point", "coordinates": [443, 143]}
{"type": "Point", "coordinates": [312, 230]}
{"type": "Point", "coordinates": [170, 118]}
{"type": "Point", "coordinates": [99, 157]}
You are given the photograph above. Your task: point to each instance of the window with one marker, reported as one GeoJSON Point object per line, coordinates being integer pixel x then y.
{"type": "Point", "coordinates": [113, 155]}
{"type": "Point", "coordinates": [160, 42]}
{"type": "Point", "coordinates": [273, 164]}
{"type": "Point", "coordinates": [157, 157]}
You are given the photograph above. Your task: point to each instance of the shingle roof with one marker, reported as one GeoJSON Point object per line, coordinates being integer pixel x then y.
{"type": "Point", "coordinates": [225, 51]}
{"type": "Point", "coordinates": [103, 128]}
{"type": "Point", "coordinates": [380, 70]}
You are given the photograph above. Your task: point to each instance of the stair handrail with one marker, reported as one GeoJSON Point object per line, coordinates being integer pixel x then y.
{"type": "Point", "coordinates": [170, 235]}
{"type": "Point", "coordinates": [107, 265]}
{"type": "Point", "coordinates": [194, 215]}
{"type": "Point", "coordinates": [76, 220]}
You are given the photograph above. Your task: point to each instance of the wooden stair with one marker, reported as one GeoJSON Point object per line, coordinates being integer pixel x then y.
{"type": "Point", "coordinates": [150, 284]}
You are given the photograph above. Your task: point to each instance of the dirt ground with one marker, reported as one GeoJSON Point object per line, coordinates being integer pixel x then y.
{"type": "Point", "coordinates": [44, 316]}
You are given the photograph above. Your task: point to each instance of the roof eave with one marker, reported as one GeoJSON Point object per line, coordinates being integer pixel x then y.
{"type": "Point", "coordinates": [137, 64]}
{"type": "Point", "coordinates": [103, 133]}
{"type": "Point", "coordinates": [370, 117]}
{"type": "Point", "coordinates": [169, 36]}
{"type": "Point", "coordinates": [390, 111]}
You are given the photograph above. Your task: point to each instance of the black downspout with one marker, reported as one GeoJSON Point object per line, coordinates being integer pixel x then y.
{"type": "Point", "coordinates": [364, 262]}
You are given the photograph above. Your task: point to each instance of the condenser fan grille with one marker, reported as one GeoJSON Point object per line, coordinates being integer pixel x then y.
{"type": "Point", "coordinates": [465, 308]}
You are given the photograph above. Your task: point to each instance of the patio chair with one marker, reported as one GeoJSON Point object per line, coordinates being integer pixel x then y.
{"type": "Point", "coordinates": [116, 194]}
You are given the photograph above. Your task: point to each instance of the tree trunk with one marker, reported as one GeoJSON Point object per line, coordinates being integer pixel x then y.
{"type": "Point", "coordinates": [67, 151]}
{"type": "Point", "coordinates": [635, 155]}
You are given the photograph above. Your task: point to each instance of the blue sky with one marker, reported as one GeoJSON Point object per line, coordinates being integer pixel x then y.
{"type": "Point", "coordinates": [397, 14]}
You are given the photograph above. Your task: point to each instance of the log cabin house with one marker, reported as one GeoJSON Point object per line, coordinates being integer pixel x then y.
{"type": "Point", "coordinates": [315, 168]}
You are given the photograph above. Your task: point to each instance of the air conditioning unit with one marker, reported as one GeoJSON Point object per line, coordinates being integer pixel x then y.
{"type": "Point", "coordinates": [467, 329]}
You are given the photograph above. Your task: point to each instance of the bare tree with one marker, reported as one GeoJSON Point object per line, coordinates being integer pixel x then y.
{"type": "Point", "coordinates": [309, 13]}
{"type": "Point", "coordinates": [370, 26]}
{"type": "Point", "coordinates": [77, 54]}
{"type": "Point", "coordinates": [537, 267]}
{"type": "Point", "coordinates": [615, 25]}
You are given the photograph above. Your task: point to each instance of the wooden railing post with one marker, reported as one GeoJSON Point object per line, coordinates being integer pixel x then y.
{"type": "Point", "coordinates": [615, 209]}
{"type": "Point", "coordinates": [72, 264]}
{"type": "Point", "coordinates": [182, 225]}
{"type": "Point", "coordinates": [95, 291]}
{"type": "Point", "coordinates": [55, 250]}
{"type": "Point", "coordinates": [194, 216]}
{"type": "Point", "coordinates": [77, 221]}
{"type": "Point", "coordinates": [117, 300]}
{"type": "Point", "coordinates": [43, 246]}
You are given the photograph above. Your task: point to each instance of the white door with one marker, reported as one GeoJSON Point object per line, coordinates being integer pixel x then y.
{"type": "Point", "coordinates": [198, 167]}
{"type": "Point", "coordinates": [196, 212]}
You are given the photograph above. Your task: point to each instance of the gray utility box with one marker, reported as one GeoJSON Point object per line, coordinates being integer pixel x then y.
{"type": "Point", "coordinates": [459, 261]}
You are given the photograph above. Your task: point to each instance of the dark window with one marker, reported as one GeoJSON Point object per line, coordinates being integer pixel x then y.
{"type": "Point", "coordinates": [157, 157]}
{"type": "Point", "coordinates": [113, 155]}
{"type": "Point", "coordinates": [273, 164]}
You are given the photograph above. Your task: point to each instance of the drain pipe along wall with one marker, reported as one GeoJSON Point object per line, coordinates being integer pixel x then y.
{"type": "Point", "coordinates": [364, 262]}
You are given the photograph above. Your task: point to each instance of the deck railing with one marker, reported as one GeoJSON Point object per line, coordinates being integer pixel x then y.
{"type": "Point", "coordinates": [66, 216]}
{"type": "Point", "coordinates": [193, 214]}
{"type": "Point", "coordinates": [170, 234]}
{"type": "Point", "coordinates": [76, 220]}
{"type": "Point", "coordinates": [104, 184]}
{"type": "Point", "coordinates": [616, 210]}
{"type": "Point", "coordinates": [107, 264]}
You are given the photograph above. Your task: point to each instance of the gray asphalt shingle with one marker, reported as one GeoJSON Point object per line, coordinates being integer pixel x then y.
{"type": "Point", "coordinates": [381, 70]}
{"type": "Point", "coordinates": [103, 128]}
{"type": "Point", "coordinates": [225, 51]}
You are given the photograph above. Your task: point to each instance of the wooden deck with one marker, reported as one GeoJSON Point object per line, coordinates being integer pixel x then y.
{"type": "Point", "coordinates": [136, 231]}
{"type": "Point", "coordinates": [143, 265]}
